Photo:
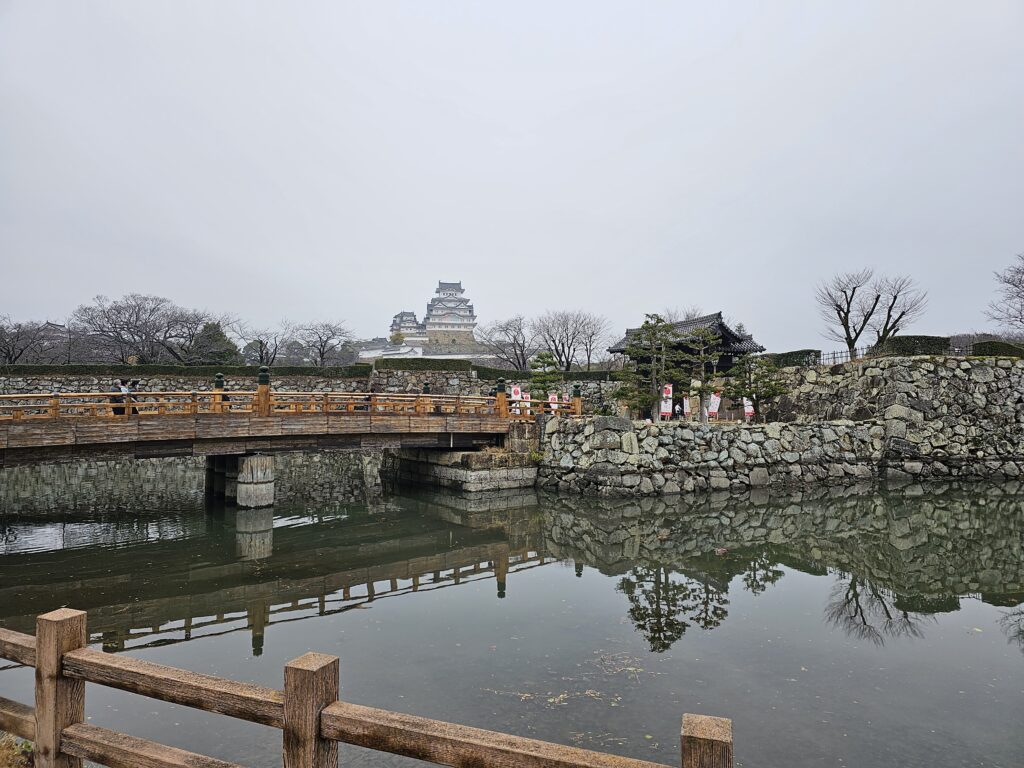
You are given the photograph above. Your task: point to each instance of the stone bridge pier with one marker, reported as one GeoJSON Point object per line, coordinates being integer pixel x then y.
{"type": "Point", "coordinates": [246, 480]}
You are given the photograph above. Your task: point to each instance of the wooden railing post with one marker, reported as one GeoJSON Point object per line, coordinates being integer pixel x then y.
{"type": "Point", "coordinates": [60, 701]}
{"type": "Point", "coordinates": [577, 400]}
{"type": "Point", "coordinates": [54, 405]}
{"type": "Point", "coordinates": [263, 392]}
{"type": "Point", "coordinates": [501, 400]}
{"type": "Point", "coordinates": [706, 742]}
{"type": "Point", "coordinates": [218, 393]}
{"type": "Point", "coordinates": [310, 684]}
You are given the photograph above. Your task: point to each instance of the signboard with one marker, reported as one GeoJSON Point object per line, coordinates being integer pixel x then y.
{"type": "Point", "coordinates": [553, 399]}
{"type": "Point", "coordinates": [686, 406]}
{"type": "Point", "coordinates": [748, 408]}
{"type": "Point", "coordinates": [713, 404]}
{"type": "Point", "coordinates": [666, 401]}
{"type": "Point", "coordinates": [517, 392]}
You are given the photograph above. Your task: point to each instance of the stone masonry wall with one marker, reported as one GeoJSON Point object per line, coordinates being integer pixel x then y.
{"type": "Point", "coordinates": [597, 395]}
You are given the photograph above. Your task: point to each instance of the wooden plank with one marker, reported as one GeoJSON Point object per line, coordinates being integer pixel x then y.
{"type": "Point", "coordinates": [176, 427]}
{"type": "Point", "coordinates": [39, 434]}
{"type": "Point", "coordinates": [306, 424]}
{"type": "Point", "coordinates": [5, 429]}
{"type": "Point", "coordinates": [310, 684]}
{"type": "Point", "coordinates": [102, 430]}
{"type": "Point", "coordinates": [706, 742]}
{"type": "Point", "coordinates": [265, 425]}
{"type": "Point", "coordinates": [355, 423]}
{"type": "Point", "coordinates": [221, 425]}
{"type": "Point", "coordinates": [388, 423]}
{"type": "Point", "coordinates": [18, 647]}
{"type": "Point", "coordinates": [456, 745]}
{"type": "Point", "coordinates": [245, 701]}
{"type": "Point", "coordinates": [119, 750]}
{"type": "Point", "coordinates": [60, 700]}
{"type": "Point", "coordinates": [163, 448]}
{"type": "Point", "coordinates": [17, 718]}
{"type": "Point", "coordinates": [428, 424]}
{"type": "Point", "coordinates": [473, 423]}
{"type": "Point", "coordinates": [219, 447]}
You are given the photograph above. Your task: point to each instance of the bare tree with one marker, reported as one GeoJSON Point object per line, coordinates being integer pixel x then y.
{"type": "Point", "coordinates": [1008, 309]}
{"type": "Point", "coordinates": [902, 302]}
{"type": "Point", "coordinates": [323, 341]}
{"type": "Point", "coordinates": [511, 341]}
{"type": "Point", "coordinates": [846, 303]}
{"type": "Point", "coordinates": [139, 328]}
{"type": "Point", "coordinates": [561, 334]}
{"type": "Point", "coordinates": [261, 346]}
{"type": "Point", "coordinates": [677, 315]}
{"type": "Point", "coordinates": [593, 336]}
{"type": "Point", "coordinates": [21, 341]}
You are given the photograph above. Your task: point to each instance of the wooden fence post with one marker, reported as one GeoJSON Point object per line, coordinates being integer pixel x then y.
{"type": "Point", "coordinates": [501, 400]}
{"type": "Point", "coordinates": [54, 405]}
{"type": "Point", "coordinates": [263, 392]}
{"type": "Point", "coordinates": [218, 392]}
{"type": "Point", "coordinates": [60, 701]}
{"type": "Point", "coordinates": [310, 684]}
{"type": "Point", "coordinates": [577, 400]}
{"type": "Point", "coordinates": [706, 742]}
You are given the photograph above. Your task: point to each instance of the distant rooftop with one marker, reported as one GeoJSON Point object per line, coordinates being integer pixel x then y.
{"type": "Point", "coordinates": [441, 286]}
{"type": "Point", "coordinates": [732, 341]}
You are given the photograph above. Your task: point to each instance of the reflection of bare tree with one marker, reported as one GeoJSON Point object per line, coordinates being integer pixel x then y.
{"type": "Point", "coordinates": [866, 612]}
{"type": "Point", "coordinates": [662, 607]}
{"type": "Point", "coordinates": [1012, 623]}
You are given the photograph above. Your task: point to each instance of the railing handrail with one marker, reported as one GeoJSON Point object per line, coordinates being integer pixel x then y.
{"type": "Point", "coordinates": [308, 710]}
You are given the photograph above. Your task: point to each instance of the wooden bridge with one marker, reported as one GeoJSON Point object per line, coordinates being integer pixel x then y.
{"type": "Point", "coordinates": [308, 711]}
{"type": "Point", "coordinates": [63, 426]}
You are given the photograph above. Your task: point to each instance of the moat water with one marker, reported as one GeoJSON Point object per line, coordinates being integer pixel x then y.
{"type": "Point", "coordinates": [854, 628]}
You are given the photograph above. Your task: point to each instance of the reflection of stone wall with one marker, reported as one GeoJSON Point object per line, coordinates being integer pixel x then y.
{"type": "Point", "coordinates": [952, 542]}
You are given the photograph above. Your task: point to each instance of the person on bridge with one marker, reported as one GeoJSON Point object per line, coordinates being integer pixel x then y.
{"type": "Point", "coordinates": [118, 398]}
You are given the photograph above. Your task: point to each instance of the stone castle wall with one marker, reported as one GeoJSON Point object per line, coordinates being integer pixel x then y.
{"type": "Point", "coordinates": [597, 395]}
{"type": "Point", "coordinates": [917, 417]}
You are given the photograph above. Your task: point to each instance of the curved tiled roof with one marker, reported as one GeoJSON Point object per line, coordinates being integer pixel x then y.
{"type": "Point", "coordinates": [732, 342]}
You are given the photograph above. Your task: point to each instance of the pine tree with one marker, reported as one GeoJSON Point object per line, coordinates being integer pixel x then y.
{"type": "Point", "coordinates": [701, 350]}
{"type": "Point", "coordinates": [756, 379]}
{"type": "Point", "coordinates": [654, 360]}
{"type": "Point", "coordinates": [544, 375]}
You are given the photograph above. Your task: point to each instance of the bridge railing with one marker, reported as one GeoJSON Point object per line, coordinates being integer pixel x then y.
{"type": "Point", "coordinates": [266, 402]}
{"type": "Point", "coordinates": [308, 712]}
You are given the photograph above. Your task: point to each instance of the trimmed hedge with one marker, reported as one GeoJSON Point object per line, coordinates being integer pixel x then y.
{"type": "Point", "coordinates": [914, 345]}
{"type": "Point", "coordinates": [422, 364]}
{"type": "Point", "coordinates": [493, 374]}
{"type": "Point", "coordinates": [798, 357]}
{"type": "Point", "coordinates": [357, 371]}
{"type": "Point", "coordinates": [997, 349]}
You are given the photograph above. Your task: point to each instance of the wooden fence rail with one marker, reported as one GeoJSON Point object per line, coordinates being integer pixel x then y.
{"type": "Point", "coordinates": [264, 402]}
{"type": "Point", "coordinates": [307, 711]}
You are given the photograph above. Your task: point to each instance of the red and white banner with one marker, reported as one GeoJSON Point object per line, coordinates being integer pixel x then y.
{"type": "Point", "coordinates": [748, 408]}
{"type": "Point", "coordinates": [666, 401]}
{"type": "Point", "coordinates": [553, 399]}
{"type": "Point", "coordinates": [713, 405]}
{"type": "Point", "coordinates": [517, 392]}
{"type": "Point", "coordinates": [686, 406]}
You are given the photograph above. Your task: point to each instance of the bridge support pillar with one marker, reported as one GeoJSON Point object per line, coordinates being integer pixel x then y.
{"type": "Point", "coordinates": [216, 475]}
{"type": "Point", "coordinates": [230, 479]}
{"type": "Point", "coordinates": [254, 533]}
{"type": "Point", "coordinates": [255, 481]}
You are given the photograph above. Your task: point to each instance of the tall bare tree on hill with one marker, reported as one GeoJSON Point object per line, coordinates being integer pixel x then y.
{"type": "Point", "coordinates": [261, 346]}
{"type": "Point", "coordinates": [854, 302]}
{"type": "Point", "coordinates": [1008, 309]}
{"type": "Point", "coordinates": [512, 341]}
{"type": "Point", "coordinates": [593, 337]}
{"type": "Point", "coordinates": [324, 342]}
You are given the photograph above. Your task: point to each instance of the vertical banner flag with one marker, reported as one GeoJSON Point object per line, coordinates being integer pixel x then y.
{"type": "Point", "coordinates": [716, 400]}
{"type": "Point", "coordinates": [748, 408]}
{"type": "Point", "coordinates": [686, 406]}
{"type": "Point", "coordinates": [517, 395]}
{"type": "Point", "coordinates": [666, 401]}
{"type": "Point", "coordinates": [553, 399]}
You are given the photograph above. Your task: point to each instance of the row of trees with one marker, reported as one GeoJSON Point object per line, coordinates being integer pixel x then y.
{"type": "Point", "coordinates": [573, 338]}
{"type": "Point", "coordinates": [150, 329]}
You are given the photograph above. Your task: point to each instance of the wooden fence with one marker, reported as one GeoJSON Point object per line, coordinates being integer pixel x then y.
{"type": "Point", "coordinates": [264, 402]}
{"type": "Point", "coordinates": [308, 712]}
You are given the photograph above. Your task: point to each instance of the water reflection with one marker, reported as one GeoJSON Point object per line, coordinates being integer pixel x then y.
{"type": "Point", "coordinates": [897, 559]}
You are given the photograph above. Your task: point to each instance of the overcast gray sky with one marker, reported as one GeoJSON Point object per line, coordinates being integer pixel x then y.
{"type": "Point", "coordinates": [335, 159]}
